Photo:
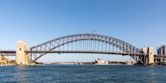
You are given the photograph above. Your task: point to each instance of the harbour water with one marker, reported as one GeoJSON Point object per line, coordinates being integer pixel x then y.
{"type": "Point", "coordinates": [83, 74]}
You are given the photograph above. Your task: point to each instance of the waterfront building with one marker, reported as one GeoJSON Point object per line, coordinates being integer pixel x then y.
{"type": "Point", "coordinates": [99, 61]}
{"type": "Point", "coordinates": [3, 60]}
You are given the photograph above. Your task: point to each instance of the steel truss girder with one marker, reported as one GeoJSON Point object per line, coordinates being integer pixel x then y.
{"type": "Point", "coordinates": [61, 41]}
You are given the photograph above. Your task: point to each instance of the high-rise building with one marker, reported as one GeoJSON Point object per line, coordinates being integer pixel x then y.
{"type": "Point", "coordinates": [162, 50]}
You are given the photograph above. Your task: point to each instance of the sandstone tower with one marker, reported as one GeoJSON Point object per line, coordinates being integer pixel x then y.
{"type": "Point", "coordinates": [21, 56]}
{"type": "Point", "coordinates": [150, 58]}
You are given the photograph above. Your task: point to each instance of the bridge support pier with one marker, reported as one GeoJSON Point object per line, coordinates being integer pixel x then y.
{"type": "Point", "coordinates": [149, 55]}
{"type": "Point", "coordinates": [21, 56]}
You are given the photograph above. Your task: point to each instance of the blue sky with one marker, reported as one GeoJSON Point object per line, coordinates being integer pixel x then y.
{"type": "Point", "coordinates": [139, 22]}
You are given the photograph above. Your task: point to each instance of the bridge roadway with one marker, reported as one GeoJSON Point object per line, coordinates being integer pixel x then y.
{"type": "Point", "coordinates": [92, 52]}
{"type": "Point", "coordinates": [88, 52]}
{"type": "Point", "coordinates": [8, 52]}
{"type": "Point", "coordinates": [12, 52]}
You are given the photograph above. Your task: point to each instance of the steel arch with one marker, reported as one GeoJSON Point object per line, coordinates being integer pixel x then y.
{"type": "Point", "coordinates": [58, 42]}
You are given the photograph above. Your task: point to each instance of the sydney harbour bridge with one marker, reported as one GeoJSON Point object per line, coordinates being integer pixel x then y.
{"type": "Point", "coordinates": [80, 43]}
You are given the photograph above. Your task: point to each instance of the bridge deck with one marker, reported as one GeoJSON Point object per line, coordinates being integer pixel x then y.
{"type": "Point", "coordinates": [88, 52]}
{"type": "Point", "coordinates": [13, 52]}
{"type": "Point", "coordinates": [7, 51]}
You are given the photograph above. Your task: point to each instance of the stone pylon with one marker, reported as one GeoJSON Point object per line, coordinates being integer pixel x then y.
{"type": "Point", "coordinates": [22, 56]}
{"type": "Point", "coordinates": [145, 56]}
{"type": "Point", "coordinates": [149, 55]}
